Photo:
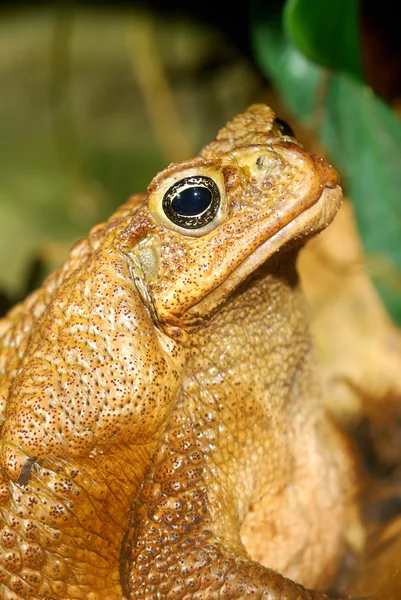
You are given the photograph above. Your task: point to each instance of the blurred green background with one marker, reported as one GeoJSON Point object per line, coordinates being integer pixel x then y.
{"type": "Point", "coordinates": [95, 98]}
{"type": "Point", "coordinates": [94, 101]}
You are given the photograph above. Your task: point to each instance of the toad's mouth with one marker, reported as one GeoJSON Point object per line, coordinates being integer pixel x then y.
{"type": "Point", "coordinates": [303, 226]}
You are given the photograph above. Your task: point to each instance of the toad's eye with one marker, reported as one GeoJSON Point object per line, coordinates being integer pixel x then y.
{"type": "Point", "coordinates": [192, 202]}
{"type": "Point", "coordinates": [283, 128]}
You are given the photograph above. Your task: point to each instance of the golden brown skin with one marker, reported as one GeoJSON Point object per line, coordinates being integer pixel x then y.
{"type": "Point", "coordinates": [163, 434]}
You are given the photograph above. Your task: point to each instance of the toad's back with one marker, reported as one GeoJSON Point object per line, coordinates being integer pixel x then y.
{"type": "Point", "coordinates": [162, 432]}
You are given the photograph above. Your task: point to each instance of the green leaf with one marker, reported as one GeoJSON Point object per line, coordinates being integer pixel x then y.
{"type": "Point", "coordinates": [326, 32]}
{"type": "Point", "coordinates": [363, 136]}
{"type": "Point", "coordinates": [363, 139]}
{"type": "Point", "coordinates": [295, 77]}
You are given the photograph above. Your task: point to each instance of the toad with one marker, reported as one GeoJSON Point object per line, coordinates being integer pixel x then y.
{"type": "Point", "coordinates": [163, 434]}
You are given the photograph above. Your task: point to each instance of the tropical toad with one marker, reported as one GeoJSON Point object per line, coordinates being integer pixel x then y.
{"type": "Point", "coordinates": [162, 430]}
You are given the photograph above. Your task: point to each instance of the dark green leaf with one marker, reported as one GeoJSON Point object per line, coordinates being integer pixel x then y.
{"type": "Point", "coordinates": [326, 32]}
{"type": "Point", "coordinates": [295, 77]}
{"type": "Point", "coordinates": [364, 138]}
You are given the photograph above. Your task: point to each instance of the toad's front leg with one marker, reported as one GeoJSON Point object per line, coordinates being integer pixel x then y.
{"type": "Point", "coordinates": [179, 547]}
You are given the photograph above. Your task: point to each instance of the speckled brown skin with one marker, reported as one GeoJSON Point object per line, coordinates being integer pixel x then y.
{"type": "Point", "coordinates": [162, 431]}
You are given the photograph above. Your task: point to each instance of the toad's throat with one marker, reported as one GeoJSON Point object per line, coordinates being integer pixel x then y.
{"type": "Point", "coordinates": [304, 225]}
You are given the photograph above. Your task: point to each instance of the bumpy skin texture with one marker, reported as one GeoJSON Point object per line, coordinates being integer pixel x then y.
{"type": "Point", "coordinates": [162, 430]}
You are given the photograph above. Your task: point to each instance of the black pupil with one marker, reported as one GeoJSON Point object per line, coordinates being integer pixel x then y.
{"type": "Point", "coordinates": [284, 128]}
{"type": "Point", "coordinates": [191, 201]}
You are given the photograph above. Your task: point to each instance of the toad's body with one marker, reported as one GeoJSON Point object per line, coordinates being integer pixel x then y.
{"type": "Point", "coordinates": [162, 427]}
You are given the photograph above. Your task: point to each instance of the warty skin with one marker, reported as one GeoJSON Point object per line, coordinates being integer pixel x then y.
{"type": "Point", "coordinates": [163, 435]}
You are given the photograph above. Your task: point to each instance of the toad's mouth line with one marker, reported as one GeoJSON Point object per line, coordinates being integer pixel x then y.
{"type": "Point", "coordinates": [304, 225]}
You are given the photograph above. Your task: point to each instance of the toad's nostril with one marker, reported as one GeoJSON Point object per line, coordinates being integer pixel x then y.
{"type": "Point", "coordinates": [332, 177]}
{"type": "Point", "coordinates": [261, 161]}
{"type": "Point", "coordinates": [15, 463]}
